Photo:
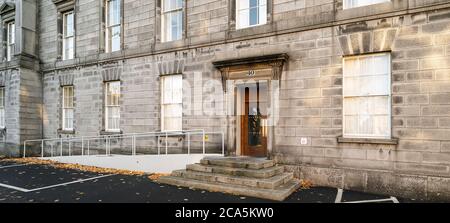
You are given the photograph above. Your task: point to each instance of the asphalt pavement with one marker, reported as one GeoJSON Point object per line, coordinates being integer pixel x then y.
{"type": "Point", "coordinates": [31, 183]}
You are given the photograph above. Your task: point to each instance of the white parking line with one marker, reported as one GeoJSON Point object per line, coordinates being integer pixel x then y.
{"type": "Point", "coordinates": [338, 196]}
{"type": "Point", "coordinates": [52, 186]}
{"type": "Point", "coordinates": [73, 182]}
{"type": "Point", "coordinates": [14, 187]}
{"type": "Point", "coordinates": [15, 165]}
{"type": "Point", "coordinates": [394, 199]}
{"type": "Point", "coordinates": [369, 201]}
{"type": "Point", "coordinates": [340, 192]}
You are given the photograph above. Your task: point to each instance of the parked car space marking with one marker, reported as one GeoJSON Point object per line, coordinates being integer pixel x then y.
{"type": "Point", "coordinates": [15, 165]}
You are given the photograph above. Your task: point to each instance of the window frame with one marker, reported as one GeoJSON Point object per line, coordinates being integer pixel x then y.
{"type": "Point", "coordinates": [10, 41]}
{"type": "Point", "coordinates": [65, 36]}
{"type": "Point", "coordinates": [2, 108]}
{"type": "Point", "coordinates": [64, 108]}
{"type": "Point", "coordinates": [345, 6]}
{"type": "Point", "coordinates": [163, 104]}
{"type": "Point", "coordinates": [107, 106]}
{"type": "Point", "coordinates": [164, 35]}
{"type": "Point", "coordinates": [237, 17]}
{"type": "Point", "coordinates": [389, 95]}
{"type": "Point", "coordinates": [108, 27]}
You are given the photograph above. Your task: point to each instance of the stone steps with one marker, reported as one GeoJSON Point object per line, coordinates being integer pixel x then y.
{"type": "Point", "coordinates": [267, 183]}
{"type": "Point", "coordinates": [246, 176]}
{"type": "Point", "coordinates": [278, 194]}
{"type": "Point", "coordinates": [261, 173]}
{"type": "Point", "coordinates": [250, 163]}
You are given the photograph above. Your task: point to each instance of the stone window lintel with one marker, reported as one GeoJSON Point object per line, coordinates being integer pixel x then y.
{"type": "Point", "coordinates": [7, 11]}
{"type": "Point", "coordinates": [64, 5]}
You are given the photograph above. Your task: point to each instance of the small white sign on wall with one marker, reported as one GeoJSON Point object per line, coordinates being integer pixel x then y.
{"type": "Point", "coordinates": [303, 141]}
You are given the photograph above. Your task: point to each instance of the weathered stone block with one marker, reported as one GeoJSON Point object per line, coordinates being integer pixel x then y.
{"type": "Point", "coordinates": [417, 99]}
{"type": "Point", "coordinates": [410, 42]}
{"type": "Point", "coordinates": [388, 183]}
{"type": "Point", "coordinates": [443, 98]}
{"type": "Point", "coordinates": [438, 188]}
{"type": "Point", "coordinates": [323, 176]}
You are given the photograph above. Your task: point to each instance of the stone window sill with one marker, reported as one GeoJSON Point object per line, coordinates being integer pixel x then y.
{"type": "Point", "coordinates": [104, 132]}
{"type": "Point", "coordinates": [68, 132]}
{"type": "Point", "coordinates": [368, 141]}
{"type": "Point", "coordinates": [9, 64]}
{"type": "Point", "coordinates": [67, 62]}
{"type": "Point", "coordinates": [168, 45]}
{"type": "Point", "coordinates": [252, 30]}
{"type": "Point", "coordinates": [111, 55]}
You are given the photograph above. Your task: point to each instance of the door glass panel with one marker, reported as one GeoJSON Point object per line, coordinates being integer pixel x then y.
{"type": "Point", "coordinates": [254, 126]}
{"type": "Point", "coordinates": [256, 107]}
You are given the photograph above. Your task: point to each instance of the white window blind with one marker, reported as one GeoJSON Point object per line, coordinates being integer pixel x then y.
{"type": "Point", "coordinates": [67, 108]}
{"type": "Point", "coordinates": [172, 103]}
{"type": "Point", "coordinates": [113, 25]}
{"type": "Point", "coordinates": [68, 36]}
{"type": "Point", "coordinates": [250, 13]}
{"type": "Point", "coordinates": [367, 96]}
{"type": "Point", "coordinates": [358, 3]}
{"type": "Point", "coordinates": [112, 106]}
{"type": "Point", "coordinates": [2, 107]}
{"type": "Point", "coordinates": [172, 20]}
{"type": "Point", "coordinates": [11, 40]}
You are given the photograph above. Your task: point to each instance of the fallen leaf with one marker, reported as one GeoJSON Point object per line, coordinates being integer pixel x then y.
{"type": "Point", "coordinates": [156, 176]}
{"type": "Point", "coordinates": [305, 184]}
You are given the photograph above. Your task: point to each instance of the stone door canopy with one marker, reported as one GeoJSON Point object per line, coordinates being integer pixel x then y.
{"type": "Point", "coordinates": [274, 62]}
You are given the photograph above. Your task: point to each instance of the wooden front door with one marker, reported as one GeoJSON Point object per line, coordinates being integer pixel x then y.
{"type": "Point", "coordinates": [254, 120]}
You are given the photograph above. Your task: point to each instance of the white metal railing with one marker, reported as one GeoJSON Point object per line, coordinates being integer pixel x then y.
{"type": "Point", "coordinates": [88, 143]}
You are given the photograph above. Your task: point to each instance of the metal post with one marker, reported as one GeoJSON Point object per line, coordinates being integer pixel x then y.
{"type": "Point", "coordinates": [82, 146]}
{"type": "Point", "coordinates": [42, 148]}
{"type": "Point", "coordinates": [61, 147]}
{"type": "Point", "coordinates": [203, 140]}
{"type": "Point", "coordinates": [134, 145]}
{"type": "Point", "coordinates": [189, 143]}
{"type": "Point", "coordinates": [166, 142]}
{"type": "Point", "coordinates": [106, 146]}
{"type": "Point", "coordinates": [223, 144]}
{"type": "Point", "coordinates": [51, 151]}
{"type": "Point", "coordinates": [88, 148]}
{"type": "Point", "coordinates": [70, 149]}
{"type": "Point", "coordinates": [24, 149]}
{"type": "Point", "coordinates": [159, 146]}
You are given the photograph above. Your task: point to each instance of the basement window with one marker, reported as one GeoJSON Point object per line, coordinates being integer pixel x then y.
{"type": "Point", "coordinates": [112, 106]}
{"type": "Point", "coordinates": [172, 102]}
{"type": "Point", "coordinates": [367, 96]}
{"type": "Point", "coordinates": [67, 108]}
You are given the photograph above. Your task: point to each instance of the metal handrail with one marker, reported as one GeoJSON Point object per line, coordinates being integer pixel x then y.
{"type": "Point", "coordinates": [124, 134]}
{"type": "Point", "coordinates": [133, 136]}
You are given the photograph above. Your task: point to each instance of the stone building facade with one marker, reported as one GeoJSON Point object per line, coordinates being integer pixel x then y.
{"type": "Point", "coordinates": [298, 57]}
